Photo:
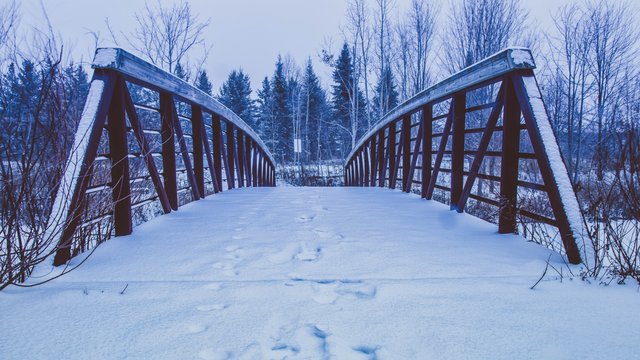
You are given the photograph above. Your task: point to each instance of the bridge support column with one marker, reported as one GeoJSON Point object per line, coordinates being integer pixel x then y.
{"type": "Point", "coordinates": [457, 147]}
{"type": "Point", "coordinates": [168, 150]}
{"type": "Point", "coordinates": [198, 144]}
{"type": "Point", "coordinates": [216, 130]}
{"type": "Point", "coordinates": [118, 147]}
{"type": "Point", "coordinates": [391, 151]}
{"type": "Point", "coordinates": [427, 131]}
{"type": "Point", "coordinates": [509, 161]}
{"type": "Point", "coordinates": [231, 177]}
{"type": "Point", "coordinates": [406, 152]}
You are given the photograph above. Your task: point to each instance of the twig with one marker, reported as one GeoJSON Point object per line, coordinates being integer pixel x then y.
{"type": "Point", "coordinates": [125, 289]}
{"type": "Point", "coordinates": [543, 274]}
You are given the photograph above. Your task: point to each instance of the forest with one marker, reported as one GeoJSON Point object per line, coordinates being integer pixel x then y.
{"type": "Point", "coordinates": [588, 71]}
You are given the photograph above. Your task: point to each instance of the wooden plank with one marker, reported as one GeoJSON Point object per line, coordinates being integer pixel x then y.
{"type": "Point", "coordinates": [440, 154]}
{"type": "Point", "coordinates": [373, 146]}
{"type": "Point", "coordinates": [366, 176]}
{"type": "Point", "coordinates": [427, 130]}
{"type": "Point", "coordinates": [230, 164]}
{"type": "Point", "coordinates": [414, 159]}
{"type": "Point", "coordinates": [195, 191]}
{"type": "Point", "coordinates": [247, 159]}
{"type": "Point", "coordinates": [138, 131]}
{"type": "Point", "coordinates": [382, 159]}
{"type": "Point", "coordinates": [197, 129]}
{"type": "Point", "coordinates": [168, 149]}
{"type": "Point", "coordinates": [509, 163]}
{"type": "Point", "coordinates": [459, 102]}
{"type": "Point", "coordinates": [216, 130]}
{"type": "Point", "coordinates": [482, 149]}
{"type": "Point", "coordinates": [119, 150]}
{"type": "Point", "coordinates": [391, 153]}
{"type": "Point", "coordinates": [240, 159]}
{"type": "Point", "coordinates": [406, 152]}
{"type": "Point", "coordinates": [69, 203]}
{"type": "Point", "coordinates": [209, 157]}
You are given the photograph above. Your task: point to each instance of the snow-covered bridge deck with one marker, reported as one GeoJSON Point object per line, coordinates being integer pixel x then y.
{"type": "Point", "coordinates": [345, 273]}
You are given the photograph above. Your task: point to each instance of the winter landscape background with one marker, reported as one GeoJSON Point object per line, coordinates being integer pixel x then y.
{"type": "Point", "coordinates": [311, 79]}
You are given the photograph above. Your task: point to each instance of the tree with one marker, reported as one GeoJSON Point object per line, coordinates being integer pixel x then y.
{"type": "Point", "coordinates": [314, 108]}
{"type": "Point", "coordinates": [166, 35]}
{"type": "Point", "coordinates": [203, 83]}
{"type": "Point", "coordinates": [386, 95]}
{"type": "Point", "coordinates": [347, 104]}
{"type": "Point", "coordinates": [480, 28]}
{"type": "Point", "coordinates": [235, 94]}
{"type": "Point", "coordinates": [281, 119]}
{"type": "Point", "coordinates": [265, 123]}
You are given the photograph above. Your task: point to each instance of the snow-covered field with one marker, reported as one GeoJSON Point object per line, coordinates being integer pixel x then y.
{"type": "Point", "coordinates": [316, 273]}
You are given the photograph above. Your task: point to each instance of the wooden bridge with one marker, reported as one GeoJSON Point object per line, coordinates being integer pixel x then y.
{"type": "Point", "coordinates": [149, 142]}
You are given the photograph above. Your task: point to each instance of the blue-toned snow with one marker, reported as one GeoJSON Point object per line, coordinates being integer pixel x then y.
{"type": "Point", "coordinates": [318, 273]}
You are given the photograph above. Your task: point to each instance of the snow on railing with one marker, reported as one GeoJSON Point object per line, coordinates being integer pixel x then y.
{"type": "Point", "coordinates": [481, 141]}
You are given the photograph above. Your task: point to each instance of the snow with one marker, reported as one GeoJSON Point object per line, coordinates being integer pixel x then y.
{"type": "Point", "coordinates": [68, 182]}
{"type": "Point", "coordinates": [106, 58]}
{"type": "Point", "coordinates": [344, 273]}
{"type": "Point", "coordinates": [559, 169]}
{"type": "Point", "coordinates": [522, 56]}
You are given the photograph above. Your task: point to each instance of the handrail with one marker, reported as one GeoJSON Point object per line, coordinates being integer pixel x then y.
{"type": "Point", "coordinates": [516, 119]}
{"type": "Point", "coordinates": [140, 71]}
{"type": "Point", "coordinates": [112, 122]}
{"type": "Point", "coordinates": [502, 62]}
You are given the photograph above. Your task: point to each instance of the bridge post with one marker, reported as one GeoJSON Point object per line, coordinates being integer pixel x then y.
{"type": "Point", "coordinates": [509, 161]}
{"type": "Point", "coordinates": [247, 159]}
{"type": "Point", "coordinates": [457, 147]}
{"type": "Point", "coordinates": [427, 131]}
{"type": "Point", "coordinates": [391, 150]}
{"type": "Point", "coordinates": [254, 165]}
{"type": "Point", "coordinates": [240, 159]}
{"type": "Point", "coordinates": [118, 147]}
{"type": "Point", "coordinates": [198, 144]}
{"type": "Point", "coordinates": [381, 158]}
{"type": "Point", "coordinates": [365, 178]}
{"type": "Point", "coordinates": [168, 149]}
{"type": "Point", "coordinates": [374, 160]}
{"type": "Point", "coordinates": [406, 152]}
{"type": "Point", "coordinates": [231, 176]}
{"type": "Point", "coordinates": [216, 132]}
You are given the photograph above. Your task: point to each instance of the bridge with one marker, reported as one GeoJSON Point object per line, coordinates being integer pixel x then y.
{"type": "Point", "coordinates": [238, 268]}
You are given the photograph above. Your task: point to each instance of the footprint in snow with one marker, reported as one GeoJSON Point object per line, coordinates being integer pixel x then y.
{"type": "Point", "coordinates": [212, 307]}
{"type": "Point", "coordinates": [305, 218]}
{"type": "Point", "coordinates": [194, 328]}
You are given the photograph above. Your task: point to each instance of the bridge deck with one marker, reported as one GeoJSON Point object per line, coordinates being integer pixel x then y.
{"type": "Point", "coordinates": [310, 273]}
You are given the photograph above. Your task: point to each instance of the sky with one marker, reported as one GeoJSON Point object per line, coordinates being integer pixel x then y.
{"type": "Point", "coordinates": [246, 34]}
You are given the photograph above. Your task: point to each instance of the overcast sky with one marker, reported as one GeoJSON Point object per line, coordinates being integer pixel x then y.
{"type": "Point", "coordinates": [247, 34]}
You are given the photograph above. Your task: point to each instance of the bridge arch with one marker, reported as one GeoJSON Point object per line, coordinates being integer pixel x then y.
{"type": "Point", "coordinates": [147, 138]}
{"type": "Point", "coordinates": [427, 144]}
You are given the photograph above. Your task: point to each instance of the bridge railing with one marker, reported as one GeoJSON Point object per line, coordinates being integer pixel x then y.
{"type": "Point", "coordinates": [480, 141]}
{"type": "Point", "coordinates": [147, 143]}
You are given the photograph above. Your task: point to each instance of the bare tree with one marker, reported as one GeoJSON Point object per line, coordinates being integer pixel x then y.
{"type": "Point", "coordinates": [166, 35]}
{"type": "Point", "coordinates": [360, 32]}
{"type": "Point", "coordinates": [382, 30]}
{"type": "Point", "coordinates": [613, 39]}
{"type": "Point", "coordinates": [480, 28]}
{"type": "Point", "coordinates": [420, 29]}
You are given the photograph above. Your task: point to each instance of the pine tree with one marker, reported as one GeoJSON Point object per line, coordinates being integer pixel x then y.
{"type": "Point", "coordinates": [203, 83]}
{"type": "Point", "coordinates": [283, 123]}
{"type": "Point", "coordinates": [313, 110]}
{"type": "Point", "coordinates": [348, 104]}
{"type": "Point", "coordinates": [180, 72]}
{"type": "Point", "coordinates": [264, 118]}
{"type": "Point", "coordinates": [235, 94]}
{"type": "Point", "coordinates": [386, 95]}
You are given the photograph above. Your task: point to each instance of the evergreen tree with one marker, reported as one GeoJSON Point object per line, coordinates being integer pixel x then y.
{"type": "Point", "coordinates": [235, 94]}
{"type": "Point", "coordinates": [180, 72]}
{"type": "Point", "coordinates": [204, 84]}
{"type": "Point", "coordinates": [282, 121]}
{"type": "Point", "coordinates": [348, 104]}
{"type": "Point", "coordinates": [313, 110]}
{"type": "Point", "coordinates": [264, 118]}
{"type": "Point", "coordinates": [386, 95]}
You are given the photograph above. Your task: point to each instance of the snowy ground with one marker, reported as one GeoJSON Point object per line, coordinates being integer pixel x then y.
{"type": "Point", "coordinates": [316, 273]}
